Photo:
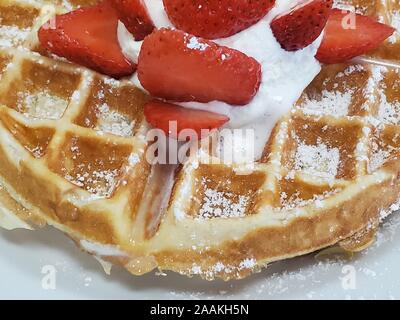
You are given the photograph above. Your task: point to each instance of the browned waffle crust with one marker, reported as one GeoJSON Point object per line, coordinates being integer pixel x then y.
{"type": "Point", "coordinates": [72, 155]}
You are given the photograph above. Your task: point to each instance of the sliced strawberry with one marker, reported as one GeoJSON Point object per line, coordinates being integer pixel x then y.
{"type": "Point", "coordinates": [302, 25]}
{"type": "Point", "coordinates": [88, 36]}
{"type": "Point", "coordinates": [177, 66]}
{"type": "Point", "coordinates": [134, 15]}
{"type": "Point", "coordinates": [162, 115]}
{"type": "Point", "coordinates": [214, 19]}
{"type": "Point", "coordinates": [342, 41]}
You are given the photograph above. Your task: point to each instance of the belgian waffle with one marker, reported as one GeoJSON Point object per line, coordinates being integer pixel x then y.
{"type": "Point", "coordinates": [72, 155]}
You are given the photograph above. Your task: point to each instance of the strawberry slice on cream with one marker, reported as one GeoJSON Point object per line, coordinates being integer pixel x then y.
{"type": "Point", "coordinates": [302, 25]}
{"type": "Point", "coordinates": [180, 67]}
{"type": "Point", "coordinates": [88, 36]}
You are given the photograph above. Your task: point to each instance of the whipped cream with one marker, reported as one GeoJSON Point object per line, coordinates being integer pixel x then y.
{"type": "Point", "coordinates": [285, 74]}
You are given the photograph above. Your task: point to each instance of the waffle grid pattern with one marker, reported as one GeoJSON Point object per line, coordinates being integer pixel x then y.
{"type": "Point", "coordinates": [72, 154]}
{"type": "Point", "coordinates": [74, 125]}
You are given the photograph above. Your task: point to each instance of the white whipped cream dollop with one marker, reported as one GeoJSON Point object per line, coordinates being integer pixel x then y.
{"type": "Point", "coordinates": [285, 74]}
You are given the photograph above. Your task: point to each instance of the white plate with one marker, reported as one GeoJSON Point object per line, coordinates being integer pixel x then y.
{"type": "Point", "coordinates": [370, 274]}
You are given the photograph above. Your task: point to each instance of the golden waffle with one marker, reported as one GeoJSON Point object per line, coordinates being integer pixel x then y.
{"type": "Point", "coordinates": [72, 155]}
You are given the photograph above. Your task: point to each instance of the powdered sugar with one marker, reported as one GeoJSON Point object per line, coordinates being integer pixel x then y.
{"type": "Point", "coordinates": [218, 204]}
{"type": "Point", "coordinates": [104, 182]}
{"type": "Point", "coordinates": [370, 88]}
{"type": "Point", "coordinates": [344, 5]}
{"type": "Point", "coordinates": [133, 159]}
{"type": "Point", "coordinates": [100, 183]}
{"type": "Point", "coordinates": [333, 103]}
{"type": "Point", "coordinates": [379, 156]}
{"type": "Point", "coordinates": [247, 264]}
{"type": "Point", "coordinates": [112, 82]}
{"type": "Point", "coordinates": [220, 267]}
{"type": "Point", "coordinates": [317, 160]}
{"type": "Point", "coordinates": [42, 105]}
{"type": "Point", "coordinates": [113, 122]}
{"type": "Point", "coordinates": [388, 113]}
{"type": "Point", "coordinates": [194, 44]}
{"type": "Point", "coordinates": [395, 23]}
{"type": "Point", "coordinates": [36, 151]}
{"type": "Point", "coordinates": [90, 176]}
{"type": "Point", "coordinates": [295, 201]}
{"type": "Point", "coordinates": [12, 36]}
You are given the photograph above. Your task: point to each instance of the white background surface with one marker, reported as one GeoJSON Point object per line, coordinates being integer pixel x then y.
{"type": "Point", "coordinates": [24, 253]}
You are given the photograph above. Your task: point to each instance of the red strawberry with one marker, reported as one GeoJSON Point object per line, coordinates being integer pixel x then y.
{"type": "Point", "coordinates": [161, 114]}
{"type": "Point", "coordinates": [302, 25]}
{"type": "Point", "coordinates": [341, 42]}
{"type": "Point", "coordinates": [177, 66]}
{"type": "Point", "coordinates": [213, 19]}
{"type": "Point", "coordinates": [88, 36]}
{"type": "Point", "coordinates": [134, 15]}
